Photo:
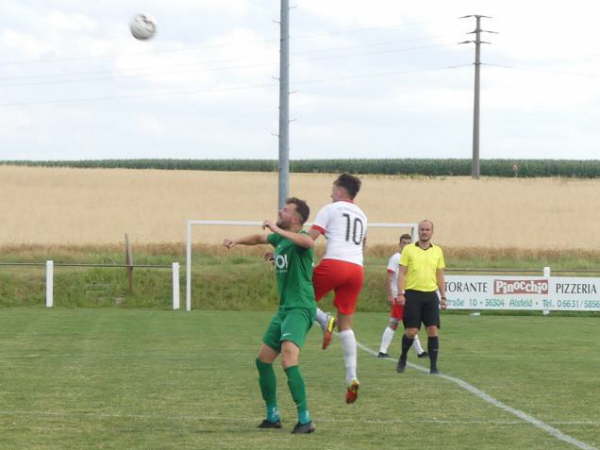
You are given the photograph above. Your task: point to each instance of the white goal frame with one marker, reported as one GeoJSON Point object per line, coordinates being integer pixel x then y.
{"type": "Point", "coordinates": [245, 223]}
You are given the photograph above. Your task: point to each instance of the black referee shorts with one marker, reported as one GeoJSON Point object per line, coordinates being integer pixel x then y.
{"type": "Point", "coordinates": [421, 307]}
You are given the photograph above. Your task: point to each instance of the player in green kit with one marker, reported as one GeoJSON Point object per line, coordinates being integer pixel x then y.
{"type": "Point", "coordinates": [293, 260]}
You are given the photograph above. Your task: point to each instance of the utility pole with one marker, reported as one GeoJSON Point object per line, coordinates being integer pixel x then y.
{"type": "Point", "coordinates": [475, 166]}
{"type": "Point", "coordinates": [284, 103]}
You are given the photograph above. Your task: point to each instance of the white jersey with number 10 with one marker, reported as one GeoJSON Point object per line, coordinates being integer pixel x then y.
{"type": "Point", "coordinates": [345, 226]}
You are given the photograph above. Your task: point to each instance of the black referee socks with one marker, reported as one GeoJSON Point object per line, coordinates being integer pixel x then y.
{"type": "Point", "coordinates": [433, 344]}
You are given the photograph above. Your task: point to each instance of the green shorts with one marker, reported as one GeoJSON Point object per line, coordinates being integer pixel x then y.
{"type": "Point", "coordinates": [289, 325]}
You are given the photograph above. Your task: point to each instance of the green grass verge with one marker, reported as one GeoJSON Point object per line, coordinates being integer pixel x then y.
{"type": "Point", "coordinates": [138, 379]}
{"type": "Point", "coordinates": [237, 280]}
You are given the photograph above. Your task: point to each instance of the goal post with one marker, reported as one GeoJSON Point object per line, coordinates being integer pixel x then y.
{"type": "Point", "coordinates": [188, 250]}
{"type": "Point", "coordinates": [250, 223]}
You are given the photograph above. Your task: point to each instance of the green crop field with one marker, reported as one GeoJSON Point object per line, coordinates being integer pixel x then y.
{"type": "Point", "coordinates": [116, 378]}
{"type": "Point", "coordinates": [410, 166]}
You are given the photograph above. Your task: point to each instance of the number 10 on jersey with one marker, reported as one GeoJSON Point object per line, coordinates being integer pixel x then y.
{"type": "Point", "coordinates": [354, 229]}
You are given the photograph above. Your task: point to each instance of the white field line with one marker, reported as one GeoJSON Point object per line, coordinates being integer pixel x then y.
{"type": "Point", "coordinates": [497, 403]}
{"type": "Point", "coordinates": [200, 418]}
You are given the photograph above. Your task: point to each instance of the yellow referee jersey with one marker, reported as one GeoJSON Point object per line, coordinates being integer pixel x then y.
{"type": "Point", "coordinates": [421, 266]}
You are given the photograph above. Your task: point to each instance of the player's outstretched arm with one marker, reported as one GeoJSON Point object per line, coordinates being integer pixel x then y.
{"type": "Point", "coordinates": [253, 239]}
{"type": "Point", "coordinates": [299, 239]}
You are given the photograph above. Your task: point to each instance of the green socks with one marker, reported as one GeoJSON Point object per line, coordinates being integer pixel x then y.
{"type": "Point", "coordinates": [296, 385]}
{"type": "Point", "coordinates": [268, 388]}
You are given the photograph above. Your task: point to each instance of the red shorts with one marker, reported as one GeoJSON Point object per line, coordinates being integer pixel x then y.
{"type": "Point", "coordinates": [397, 311]}
{"type": "Point", "coordinates": [344, 278]}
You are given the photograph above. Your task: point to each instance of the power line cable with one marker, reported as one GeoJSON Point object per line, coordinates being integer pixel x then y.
{"type": "Point", "coordinates": [531, 69]}
{"type": "Point", "coordinates": [224, 89]}
{"type": "Point", "coordinates": [141, 71]}
{"type": "Point", "coordinates": [380, 52]}
{"type": "Point", "coordinates": [369, 44]}
{"type": "Point", "coordinates": [301, 52]}
{"type": "Point", "coordinates": [352, 30]}
{"type": "Point", "coordinates": [111, 76]}
{"type": "Point", "coordinates": [382, 74]}
{"type": "Point", "coordinates": [206, 62]}
{"type": "Point", "coordinates": [138, 96]}
{"type": "Point", "coordinates": [297, 37]}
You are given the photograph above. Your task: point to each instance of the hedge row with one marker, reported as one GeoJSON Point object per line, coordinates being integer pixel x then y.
{"type": "Point", "coordinates": [424, 167]}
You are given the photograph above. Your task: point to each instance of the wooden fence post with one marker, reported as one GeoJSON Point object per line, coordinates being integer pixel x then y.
{"type": "Point", "coordinates": [129, 262]}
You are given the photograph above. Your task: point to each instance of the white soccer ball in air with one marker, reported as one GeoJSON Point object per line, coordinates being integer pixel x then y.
{"type": "Point", "coordinates": [142, 26]}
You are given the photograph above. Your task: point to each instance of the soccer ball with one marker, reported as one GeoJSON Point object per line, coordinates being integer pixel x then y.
{"type": "Point", "coordinates": [142, 26]}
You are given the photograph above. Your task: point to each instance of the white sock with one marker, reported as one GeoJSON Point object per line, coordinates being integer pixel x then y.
{"type": "Point", "coordinates": [322, 318]}
{"type": "Point", "coordinates": [348, 341]}
{"type": "Point", "coordinates": [417, 345]}
{"type": "Point", "coordinates": [386, 339]}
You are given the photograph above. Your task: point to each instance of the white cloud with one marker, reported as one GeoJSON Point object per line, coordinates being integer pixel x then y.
{"type": "Point", "coordinates": [380, 13]}
{"type": "Point", "coordinates": [240, 58]}
{"type": "Point", "coordinates": [361, 71]}
{"type": "Point", "coordinates": [148, 124]}
{"type": "Point", "coordinates": [25, 45]}
{"type": "Point", "coordinates": [521, 90]}
{"type": "Point", "coordinates": [232, 7]}
{"type": "Point", "coordinates": [528, 29]}
{"type": "Point", "coordinates": [14, 122]}
{"type": "Point", "coordinates": [58, 22]}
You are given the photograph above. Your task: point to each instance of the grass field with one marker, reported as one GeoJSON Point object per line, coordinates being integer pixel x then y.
{"type": "Point", "coordinates": [114, 379]}
{"type": "Point", "coordinates": [59, 206]}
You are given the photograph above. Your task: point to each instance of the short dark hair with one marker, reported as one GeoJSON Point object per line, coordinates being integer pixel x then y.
{"type": "Point", "coordinates": [406, 236]}
{"type": "Point", "coordinates": [301, 208]}
{"type": "Point", "coordinates": [348, 182]}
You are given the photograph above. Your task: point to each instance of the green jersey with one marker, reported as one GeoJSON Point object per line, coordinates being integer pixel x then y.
{"type": "Point", "coordinates": [294, 267]}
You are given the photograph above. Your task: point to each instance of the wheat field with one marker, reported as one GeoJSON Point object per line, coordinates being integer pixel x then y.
{"type": "Point", "coordinates": [62, 206]}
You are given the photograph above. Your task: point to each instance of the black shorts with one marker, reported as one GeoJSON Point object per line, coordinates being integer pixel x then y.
{"type": "Point", "coordinates": [421, 307]}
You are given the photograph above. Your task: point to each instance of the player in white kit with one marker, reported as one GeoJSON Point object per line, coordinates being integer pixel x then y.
{"type": "Point", "coordinates": [344, 225]}
{"type": "Point", "coordinates": [397, 311]}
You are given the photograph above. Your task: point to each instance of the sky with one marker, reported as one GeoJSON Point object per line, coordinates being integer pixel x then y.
{"type": "Point", "coordinates": [378, 79]}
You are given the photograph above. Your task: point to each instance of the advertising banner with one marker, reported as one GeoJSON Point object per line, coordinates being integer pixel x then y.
{"type": "Point", "coordinates": [522, 292]}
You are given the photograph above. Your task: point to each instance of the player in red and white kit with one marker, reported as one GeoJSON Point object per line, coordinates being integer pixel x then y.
{"type": "Point", "coordinates": [344, 225]}
{"type": "Point", "coordinates": [397, 311]}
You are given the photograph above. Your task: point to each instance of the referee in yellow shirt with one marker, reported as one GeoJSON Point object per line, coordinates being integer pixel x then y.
{"type": "Point", "coordinates": [420, 279]}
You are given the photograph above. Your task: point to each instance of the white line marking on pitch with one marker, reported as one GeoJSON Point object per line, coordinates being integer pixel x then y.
{"type": "Point", "coordinates": [497, 403]}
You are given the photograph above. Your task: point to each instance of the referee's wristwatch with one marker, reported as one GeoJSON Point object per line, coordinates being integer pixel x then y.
{"type": "Point", "coordinates": [443, 298]}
